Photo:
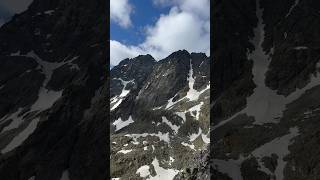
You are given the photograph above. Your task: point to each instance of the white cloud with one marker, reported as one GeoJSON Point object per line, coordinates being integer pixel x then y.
{"type": "Point", "coordinates": [199, 7]}
{"type": "Point", "coordinates": [186, 26]}
{"type": "Point", "coordinates": [119, 51]}
{"type": "Point", "coordinates": [120, 11]}
{"type": "Point", "coordinates": [175, 31]}
{"type": "Point", "coordinates": [163, 2]}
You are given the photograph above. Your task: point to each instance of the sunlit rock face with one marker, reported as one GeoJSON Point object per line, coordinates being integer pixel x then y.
{"type": "Point", "coordinates": [160, 117]}
{"type": "Point", "coordinates": [265, 111]}
{"type": "Point", "coordinates": [53, 88]}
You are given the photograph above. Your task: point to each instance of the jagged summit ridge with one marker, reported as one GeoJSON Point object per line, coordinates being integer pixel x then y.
{"type": "Point", "coordinates": [162, 117]}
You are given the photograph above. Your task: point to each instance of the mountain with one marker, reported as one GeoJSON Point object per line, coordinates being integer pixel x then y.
{"type": "Point", "coordinates": [160, 116]}
{"type": "Point", "coordinates": [53, 88]}
{"type": "Point", "coordinates": [265, 114]}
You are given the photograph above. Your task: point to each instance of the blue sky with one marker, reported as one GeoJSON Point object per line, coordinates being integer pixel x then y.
{"type": "Point", "coordinates": [144, 13]}
{"type": "Point", "coordinates": [158, 27]}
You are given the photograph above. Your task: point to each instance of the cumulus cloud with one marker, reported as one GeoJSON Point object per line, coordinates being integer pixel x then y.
{"type": "Point", "coordinates": [186, 26]}
{"type": "Point", "coordinates": [120, 11]}
{"type": "Point", "coordinates": [119, 51]}
{"type": "Point", "coordinates": [175, 31]}
{"type": "Point", "coordinates": [198, 7]}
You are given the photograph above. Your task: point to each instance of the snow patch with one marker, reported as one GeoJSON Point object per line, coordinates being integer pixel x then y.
{"type": "Point", "coordinates": [171, 103]}
{"type": "Point", "coordinates": [143, 171]}
{"type": "Point", "coordinates": [121, 124]}
{"type": "Point", "coordinates": [49, 12]}
{"type": "Point", "coordinates": [182, 115]}
{"type": "Point", "coordinates": [292, 7]}
{"type": "Point", "coordinates": [119, 98]}
{"type": "Point", "coordinates": [300, 47]}
{"type": "Point", "coordinates": [118, 102]}
{"type": "Point", "coordinates": [192, 94]}
{"type": "Point", "coordinates": [22, 136]}
{"type": "Point", "coordinates": [191, 146]}
{"type": "Point", "coordinates": [65, 175]}
{"type": "Point", "coordinates": [47, 67]}
{"type": "Point", "coordinates": [197, 109]}
{"type": "Point", "coordinates": [205, 138]}
{"type": "Point", "coordinates": [175, 128]}
{"type": "Point", "coordinates": [264, 104]}
{"type": "Point", "coordinates": [16, 120]}
{"type": "Point", "coordinates": [278, 146]}
{"type": "Point", "coordinates": [193, 137]}
{"type": "Point", "coordinates": [135, 142]}
{"type": "Point", "coordinates": [15, 54]}
{"type": "Point", "coordinates": [161, 173]}
{"type": "Point", "coordinates": [46, 99]}
{"type": "Point", "coordinates": [125, 151]}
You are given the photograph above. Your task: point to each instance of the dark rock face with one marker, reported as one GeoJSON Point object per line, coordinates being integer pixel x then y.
{"type": "Point", "coordinates": [291, 32]}
{"type": "Point", "coordinates": [249, 170]}
{"type": "Point", "coordinates": [138, 68]}
{"type": "Point", "coordinates": [53, 90]}
{"type": "Point", "coordinates": [170, 76]}
{"type": "Point", "coordinates": [14, 86]}
{"type": "Point", "coordinates": [230, 65]}
{"type": "Point", "coordinates": [244, 147]}
{"type": "Point", "coordinates": [62, 77]}
{"type": "Point", "coordinates": [160, 116]}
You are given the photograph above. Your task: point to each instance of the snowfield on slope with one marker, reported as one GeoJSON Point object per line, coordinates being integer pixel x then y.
{"type": "Point", "coordinates": [46, 99]}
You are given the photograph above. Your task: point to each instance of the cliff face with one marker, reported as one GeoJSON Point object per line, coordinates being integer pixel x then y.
{"type": "Point", "coordinates": [160, 116]}
{"type": "Point", "coordinates": [53, 90]}
{"type": "Point", "coordinates": [265, 113]}
{"type": "Point", "coordinates": [231, 67]}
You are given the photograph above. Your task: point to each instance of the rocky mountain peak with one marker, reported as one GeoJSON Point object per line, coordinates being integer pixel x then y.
{"type": "Point", "coordinates": [180, 54]}
{"type": "Point", "coordinates": [164, 116]}
{"type": "Point", "coordinates": [131, 68]}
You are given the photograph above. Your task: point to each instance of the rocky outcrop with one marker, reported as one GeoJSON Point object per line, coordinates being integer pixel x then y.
{"type": "Point", "coordinates": [230, 66]}
{"type": "Point", "coordinates": [291, 34]}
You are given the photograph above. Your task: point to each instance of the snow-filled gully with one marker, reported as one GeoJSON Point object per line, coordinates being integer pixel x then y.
{"type": "Point", "coordinates": [117, 100]}
{"type": "Point", "coordinates": [192, 94]}
{"type": "Point", "coordinates": [46, 98]}
{"type": "Point", "coordinates": [266, 106]}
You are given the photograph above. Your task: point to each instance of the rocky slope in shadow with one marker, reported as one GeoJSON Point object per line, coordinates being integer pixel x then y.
{"type": "Point", "coordinates": [266, 136]}
{"type": "Point", "coordinates": [53, 89]}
